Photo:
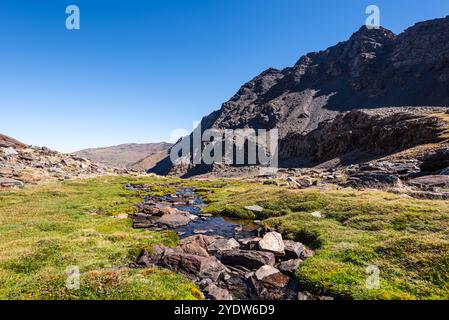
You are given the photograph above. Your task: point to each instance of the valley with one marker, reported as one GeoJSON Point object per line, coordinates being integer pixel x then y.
{"type": "Point", "coordinates": [88, 223]}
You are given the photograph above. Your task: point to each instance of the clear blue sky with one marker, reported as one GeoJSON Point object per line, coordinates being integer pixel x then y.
{"type": "Point", "coordinates": [139, 69]}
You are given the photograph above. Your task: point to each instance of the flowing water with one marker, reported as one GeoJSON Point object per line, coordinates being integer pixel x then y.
{"type": "Point", "coordinates": [207, 225]}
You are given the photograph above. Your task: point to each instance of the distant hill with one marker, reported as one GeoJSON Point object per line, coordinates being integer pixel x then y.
{"type": "Point", "coordinates": [125, 155]}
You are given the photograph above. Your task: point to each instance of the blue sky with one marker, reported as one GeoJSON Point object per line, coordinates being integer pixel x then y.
{"type": "Point", "coordinates": [137, 70]}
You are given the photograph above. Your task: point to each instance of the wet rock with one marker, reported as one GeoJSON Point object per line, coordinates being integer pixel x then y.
{"type": "Point", "coordinates": [249, 259]}
{"type": "Point", "coordinates": [289, 267]}
{"type": "Point", "coordinates": [213, 292]}
{"type": "Point", "coordinates": [221, 245]}
{"type": "Point", "coordinates": [272, 242]}
{"type": "Point", "coordinates": [193, 266]}
{"type": "Point", "coordinates": [293, 250]}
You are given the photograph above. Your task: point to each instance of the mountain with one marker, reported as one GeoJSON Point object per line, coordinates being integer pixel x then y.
{"type": "Point", "coordinates": [374, 69]}
{"type": "Point", "coordinates": [125, 155]}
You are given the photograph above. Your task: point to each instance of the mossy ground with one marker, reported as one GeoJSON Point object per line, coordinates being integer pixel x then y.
{"type": "Point", "coordinates": [46, 228]}
{"type": "Point", "coordinates": [405, 238]}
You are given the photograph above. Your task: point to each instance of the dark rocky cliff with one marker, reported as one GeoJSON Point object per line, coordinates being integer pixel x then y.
{"type": "Point", "coordinates": [373, 69]}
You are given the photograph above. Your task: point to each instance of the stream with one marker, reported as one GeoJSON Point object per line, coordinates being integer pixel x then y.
{"type": "Point", "coordinates": [229, 259]}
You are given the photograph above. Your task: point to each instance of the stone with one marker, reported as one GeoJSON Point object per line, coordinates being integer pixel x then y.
{"type": "Point", "coordinates": [289, 267]}
{"type": "Point", "coordinates": [307, 253]}
{"type": "Point", "coordinates": [431, 181]}
{"type": "Point", "coordinates": [250, 243]}
{"type": "Point", "coordinates": [263, 230]}
{"type": "Point", "coordinates": [174, 220]}
{"type": "Point", "coordinates": [308, 296]}
{"type": "Point", "coordinates": [255, 208]}
{"type": "Point", "coordinates": [146, 260]}
{"type": "Point", "coordinates": [271, 285]}
{"type": "Point", "coordinates": [143, 221]}
{"type": "Point", "coordinates": [10, 183]}
{"type": "Point", "coordinates": [435, 160]}
{"type": "Point", "coordinates": [143, 259]}
{"type": "Point", "coordinates": [293, 249]}
{"type": "Point", "coordinates": [221, 245]}
{"type": "Point", "coordinates": [275, 281]}
{"type": "Point", "coordinates": [202, 241]}
{"type": "Point", "coordinates": [249, 259]}
{"type": "Point", "coordinates": [238, 284]}
{"type": "Point", "coordinates": [215, 293]}
{"type": "Point", "coordinates": [317, 214]}
{"type": "Point", "coordinates": [193, 266]}
{"type": "Point", "coordinates": [272, 242]}
{"type": "Point", "coordinates": [265, 271]}
{"type": "Point", "coordinates": [193, 248]}
{"type": "Point", "coordinates": [200, 231]}
{"type": "Point", "coordinates": [121, 216]}
{"type": "Point", "coordinates": [305, 182]}
{"type": "Point", "coordinates": [9, 152]}
{"type": "Point", "coordinates": [445, 172]}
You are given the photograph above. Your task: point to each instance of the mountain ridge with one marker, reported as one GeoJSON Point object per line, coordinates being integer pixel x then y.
{"type": "Point", "coordinates": [123, 155]}
{"type": "Point", "coordinates": [373, 69]}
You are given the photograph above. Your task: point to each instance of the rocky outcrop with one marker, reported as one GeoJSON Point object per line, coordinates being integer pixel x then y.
{"type": "Point", "coordinates": [370, 133]}
{"type": "Point", "coordinates": [29, 164]}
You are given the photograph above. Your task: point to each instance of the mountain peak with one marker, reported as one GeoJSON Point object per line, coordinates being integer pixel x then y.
{"type": "Point", "coordinates": [373, 33]}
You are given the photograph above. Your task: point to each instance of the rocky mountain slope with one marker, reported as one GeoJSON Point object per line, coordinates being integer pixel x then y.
{"type": "Point", "coordinates": [374, 69]}
{"type": "Point", "coordinates": [21, 164]}
{"type": "Point", "coordinates": [125, 155]}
